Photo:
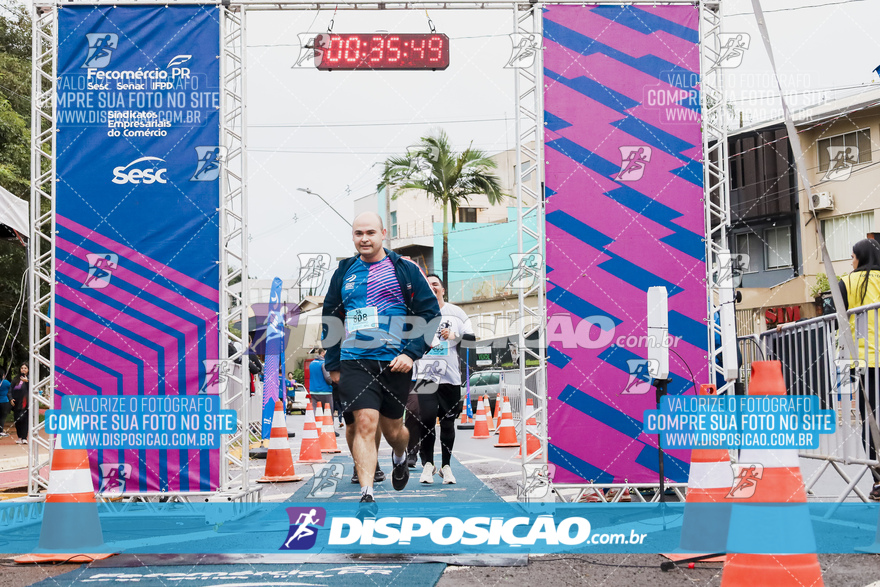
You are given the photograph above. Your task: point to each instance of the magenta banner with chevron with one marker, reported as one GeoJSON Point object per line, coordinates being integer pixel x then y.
{"type": "Point", "coordinates": [138, 156]}
{"type": "Point", "coordinates": [624, 183]}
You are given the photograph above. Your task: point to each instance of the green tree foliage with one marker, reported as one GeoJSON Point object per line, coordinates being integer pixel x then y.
{"type": "Point", "coordinates": [15, 88]}
{"type": "Point", "coordinates": [447, 177]}
{"type": "Point", "coordinates": [15, 105]}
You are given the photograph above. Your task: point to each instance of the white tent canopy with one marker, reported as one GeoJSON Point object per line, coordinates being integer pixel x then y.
{"type": "Point", "coordinates": [14, 212]}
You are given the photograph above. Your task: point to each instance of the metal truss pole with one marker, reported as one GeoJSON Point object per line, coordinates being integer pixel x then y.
{"type": "Point", "coordinates": [235, 384]}
{"type": "Point", "coordinates": [716, 193]}
{"type": "Point", "coordinates": [529, 124]}
{"type": "Point", "coordinates": [41, 245]}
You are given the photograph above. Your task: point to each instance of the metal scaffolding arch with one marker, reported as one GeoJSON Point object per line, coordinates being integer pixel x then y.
{"type": "Point", "coordinates": [41, 247]}
{"type": "Point", "coordinates": [716, 188]}
{"type": "Point", "coordinates": [234, 386]}
{"type": "Point", "coordinates": [529, 121]}
{"type": "Point", "coordinates": [235, 484]}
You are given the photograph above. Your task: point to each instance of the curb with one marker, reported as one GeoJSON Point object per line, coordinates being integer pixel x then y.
{"type": "Point", "coordinates": [12, 463]}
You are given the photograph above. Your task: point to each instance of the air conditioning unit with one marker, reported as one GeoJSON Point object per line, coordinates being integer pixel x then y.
{"type": "Point", "coordinates": [822, 201]}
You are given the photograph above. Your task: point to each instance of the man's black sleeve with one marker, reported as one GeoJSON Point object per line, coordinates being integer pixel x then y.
{"type": "Point", "coordinates": [333, 313]}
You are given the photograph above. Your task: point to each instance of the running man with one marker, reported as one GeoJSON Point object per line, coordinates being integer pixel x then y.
{"type": "Point", "coordinates": [438, 385]}
{"type": "Point", "coordinates": [303, 530]}
{"type": "Point", "coordinates": [377, 294]}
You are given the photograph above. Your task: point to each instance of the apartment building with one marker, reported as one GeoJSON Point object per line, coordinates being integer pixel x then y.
{"type": "Point", "coordinates": [774, 223]}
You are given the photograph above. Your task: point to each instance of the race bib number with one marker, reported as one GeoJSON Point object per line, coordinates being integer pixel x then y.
{"type": "Point", "coordinates": [441, 350]}
{"type": "Point", "coordinates": [362, 318]}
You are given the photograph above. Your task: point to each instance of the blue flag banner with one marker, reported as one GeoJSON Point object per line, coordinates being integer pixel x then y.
{"type": "Point", "coordinates": [138, 159]}
{"type": "Point", "coordinates": [274, 348]}
{"type": "Point", "coordinates": [467, 378]}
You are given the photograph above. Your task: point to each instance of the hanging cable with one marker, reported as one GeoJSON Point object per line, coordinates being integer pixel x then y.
{"type": "Point", "coordinates": [430, 22]}
{"type": "Point", "coordinates": [333, 19]}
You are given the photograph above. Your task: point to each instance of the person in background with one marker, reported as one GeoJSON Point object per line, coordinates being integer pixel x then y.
{"type": "Point", "coordinates": [5, 405]}
{"type": "Point", "coordinates": [862, 288]}
{"type": "Point", "coordinates": [319, 382]}
{"type": "Point", "coordinates": [337, 403]}
{"type": "Point", "coordinates": [255, 366]}
{"type": "Point", "coordinates": [438, 385]}
{"type": "Point", "coordinates": [290, 385]}
{"type": "Point", "coordinates": [20, 398]}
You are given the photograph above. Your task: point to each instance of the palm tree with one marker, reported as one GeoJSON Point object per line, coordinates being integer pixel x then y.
{"type": "Point", "coordinates": [448, 178]}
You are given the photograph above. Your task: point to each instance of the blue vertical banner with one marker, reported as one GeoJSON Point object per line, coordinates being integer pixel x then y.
{"type": "Point", "coordinates": [282, 363]}
{"type": "Point", "coordinates": [274, 348]}
{"type": "Point", "coordinates": [467, 379]}
{"type": "Point", "coordinates": [138, 164]}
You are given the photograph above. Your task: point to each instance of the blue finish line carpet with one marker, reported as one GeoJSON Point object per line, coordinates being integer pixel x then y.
{"type": "Point", "coordinates": [467, 487]}
{"type": "Point", "coordinates": [366, 575]}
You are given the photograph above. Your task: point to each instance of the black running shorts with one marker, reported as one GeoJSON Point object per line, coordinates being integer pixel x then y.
{"type": "Point", "coordinates": [370, 384]}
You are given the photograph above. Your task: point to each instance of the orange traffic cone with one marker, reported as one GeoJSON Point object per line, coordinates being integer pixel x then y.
{"type": "Point", "coordinates": [498, 401]}
{"type": "Point", "coordinates": [67, 530]}
{"type": "Point", "coordinates": [533, 444]}
{"type": "Point", "coordinates": [481, 428]}
{"type": "Point", "coordinates": [310, 449]}
{"type": "Point", "coordinates": [465, 423]}
{"type": "Point", "coordinates": [279, 459]}
{"type": "Point", "coordinates": [327, 437]}
{"type": "Point", "coordinates": [709, 481]}
{"type": "Point", "coordinates": [506, 429]}
{"type": "Point", "coordinates": [489, 419]}
{"type": "Point", "coordinates": [774, 476]}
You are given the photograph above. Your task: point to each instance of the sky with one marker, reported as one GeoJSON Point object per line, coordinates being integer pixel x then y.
{"type": "Point", "coordinates": [330, 131]}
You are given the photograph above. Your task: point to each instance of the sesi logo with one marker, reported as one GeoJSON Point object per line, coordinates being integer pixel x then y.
{"type": "Point", "coordinates": [122, 175]}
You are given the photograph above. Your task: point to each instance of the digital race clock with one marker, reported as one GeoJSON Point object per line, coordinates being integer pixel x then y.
{"type": "Point", "coordinates": [381, 51]}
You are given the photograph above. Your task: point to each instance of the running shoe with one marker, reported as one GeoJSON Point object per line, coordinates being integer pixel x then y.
{"type": "Point", "coordinates": [377, 478]}
{"type": "Point", "coordinates": [428, 473]}
{"type": "Point", "coordinates": [446, 473]}
{"type": "Point", "coordinates": [875, 493]}
{"type": "Point", "coordinates": [368, 508]}
{"type": "Point", "coordinates": [399, 475]}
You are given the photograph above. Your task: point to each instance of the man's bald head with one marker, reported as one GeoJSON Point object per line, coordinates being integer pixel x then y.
{"type": "Point", "coordinates": [367, 234]}
{"type": "Point", "coordinates": [365, 219]}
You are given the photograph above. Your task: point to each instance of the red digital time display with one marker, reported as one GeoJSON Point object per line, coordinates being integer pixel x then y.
{"type": "Point", "coordinates": [381, 51]}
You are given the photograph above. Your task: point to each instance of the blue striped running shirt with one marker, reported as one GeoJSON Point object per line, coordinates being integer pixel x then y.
{"type": "Point", "coordinates": [373, 285]}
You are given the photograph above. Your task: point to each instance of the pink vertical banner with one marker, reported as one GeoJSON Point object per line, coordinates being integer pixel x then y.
{"type": "Point", "coordinates": [624, 184]}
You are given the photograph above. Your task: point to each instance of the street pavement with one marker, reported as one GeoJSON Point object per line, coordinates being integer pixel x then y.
{"type": "Point", "coordinates": [499, 470]}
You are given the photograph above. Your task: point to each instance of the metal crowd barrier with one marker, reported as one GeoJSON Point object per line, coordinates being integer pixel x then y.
{"type": "Point", "coordinates": [810, 353]}
{"type": "Point", "coordinates": [510, 387]}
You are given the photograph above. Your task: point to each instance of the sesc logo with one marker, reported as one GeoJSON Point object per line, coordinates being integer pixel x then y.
{"type": "Point", "coordinates": [123, 175]}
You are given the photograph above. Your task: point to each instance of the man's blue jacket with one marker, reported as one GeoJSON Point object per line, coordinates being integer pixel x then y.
{"type": "Point", "coordinates": [418, 297]}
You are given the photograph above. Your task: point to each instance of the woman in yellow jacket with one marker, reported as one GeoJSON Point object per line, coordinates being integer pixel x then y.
{"type": "Point", "coordinates": [862, 288]}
